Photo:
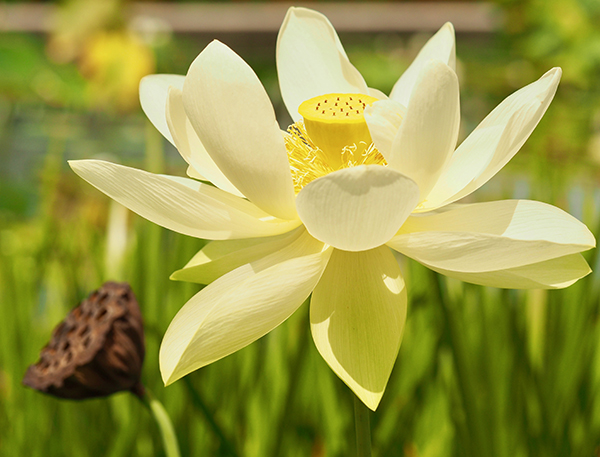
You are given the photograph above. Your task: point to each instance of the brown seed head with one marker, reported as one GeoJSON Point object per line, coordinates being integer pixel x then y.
{"type": "Point", "coordinates": [97, 350]}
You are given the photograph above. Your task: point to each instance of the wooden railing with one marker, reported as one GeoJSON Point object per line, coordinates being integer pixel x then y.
{"type": "Point", "coordinates": [266, 17]}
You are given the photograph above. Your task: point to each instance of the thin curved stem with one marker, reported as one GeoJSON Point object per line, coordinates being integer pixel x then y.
{"type": "Point", "coordinates": [362, 426]}
{"type": "Point", "coordinates": [162, 419]}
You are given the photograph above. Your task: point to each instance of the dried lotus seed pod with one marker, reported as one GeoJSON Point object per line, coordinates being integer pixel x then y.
{"type": "Point", "coordinates": [97, 350]}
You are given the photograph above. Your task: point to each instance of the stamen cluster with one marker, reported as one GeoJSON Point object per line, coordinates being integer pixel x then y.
{"type": "Point", "coordinates": [308, 162]}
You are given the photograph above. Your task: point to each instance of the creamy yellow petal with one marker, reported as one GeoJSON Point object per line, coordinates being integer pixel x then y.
{"type": "Point", "coordinates": [495, 141]}
{"type": "Point", "coordinates": [384, 119]}
{"type": "Point", "coordinates": [311, 60]}
{"type": "Point", "coordinates": [551, 274]}
{"type": "Point", "coordinates": [429, 130]}
{"type": "Point", "coordinates": [357, 315]}
{"type": "Point", "coordinates": [193, 173]}
{"type": "Point", "coordinates": [492, 236]}
{"type": "Point", "coordinates": [469, 160]}
{"type": "Point", "coordinates": [359, 208]}
{"type": "Point", "coordinates": [240, 307]}
{"type": "Point", "coordinates": [233, 117]}
{"type": "Point", "coordinates": [440, 46]}
{"type": "Point", "coordinates": [220, 257]}
{"type": "Point", "coordinates": [181, 204]}
{"type": "Point", "coordinates": [190, 147]}
{"type": "Point", "coordinates": [153, 98]}
{"type": "Point", "coordinates": [376, 93]}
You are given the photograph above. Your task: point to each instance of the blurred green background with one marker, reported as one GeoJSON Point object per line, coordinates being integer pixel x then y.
{"type": "Point", "coordinates": [481, 372]}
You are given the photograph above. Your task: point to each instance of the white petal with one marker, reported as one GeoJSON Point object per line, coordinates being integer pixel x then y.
{"type": "Point", "coordinates": [355, 209]}
{"type": "Point", "coordinates": [495, 140]}
{"type": "Point", "coordinates": [177, 123]}
{"type": "Point", "coordinates": [240, 307]}
{"type": "Point", "coordinates": [220, 257]}
{"type": "Point", "coordinates": [181, 204]}
{"type": "Point", "coordinates": [357, 315]}
{"type": "Point", "coordinates": [377, 94]}
{"type": "Point", "coordinates": [384, 119]}
{"type": "Point", "coordinates": [231, 113]}
{"type": "Point", "coordinates": [153, 98]}
{"type": "Point", "coordinates": [190, 147]}
{"type": "Point", "coordinates": [440, 46]}
{"type": "Point", "coordinates": [469, 161]}
{"type": "Point", "coordinates": [551, 274]}
{"type": "Point", "coordinates": [311, 60]}
{"type": "Point", "coordinates": [429, 130]}
{"type": "Point", "coordinates": [492, 236]}
{"type": "Point", "coordinates": [193, 173]}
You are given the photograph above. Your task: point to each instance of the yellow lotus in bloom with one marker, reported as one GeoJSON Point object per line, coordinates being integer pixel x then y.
{"type": "Point", "coordinates": [318, 209]}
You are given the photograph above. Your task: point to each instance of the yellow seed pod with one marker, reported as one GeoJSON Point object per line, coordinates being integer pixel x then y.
{"type": "Point", "coordinates": [334, 121]}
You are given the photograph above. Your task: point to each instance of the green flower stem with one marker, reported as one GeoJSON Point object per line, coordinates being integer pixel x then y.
{"type": "Point", "coordinates": [160, 415]}
{"type": "Point", "coordinates": [362, 425]}
{"type": "Point", "coordinates": [477, 445]}
{"type": "Point", "coordinates": [199, 403]}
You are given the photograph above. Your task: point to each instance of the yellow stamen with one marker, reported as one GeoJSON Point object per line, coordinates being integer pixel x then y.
{"type": "Point", "coordinates": [307, 159]}
{"type": "Point", "coordinates": [335, 121]}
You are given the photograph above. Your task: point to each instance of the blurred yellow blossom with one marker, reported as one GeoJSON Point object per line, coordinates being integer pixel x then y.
{"type": "Point", "coordinates": [111, 57]}
{"type": "Point", "coordinates": [114, 62]}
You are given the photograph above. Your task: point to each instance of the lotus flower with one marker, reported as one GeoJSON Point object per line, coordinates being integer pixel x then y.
{"type": "Point", "coordinates": [319, 209]}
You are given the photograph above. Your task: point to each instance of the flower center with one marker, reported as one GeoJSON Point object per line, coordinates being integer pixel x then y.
{"type": "Point", "coordinates": [334, 121]}
{"type": "Point", "coordinates": [333, 135]}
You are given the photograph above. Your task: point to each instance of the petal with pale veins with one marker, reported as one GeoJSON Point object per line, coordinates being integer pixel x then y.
{"type": "Point", "coordinates": [181, 204]}
{"type": "Point", "coordinates": [193, 173]}
{"type": "Point", "coordinates": [492, 236]}
{"type": "Point", "coordinates": [429, 130]}
{"type": "Point", "coordinates": [357, 315]}
{"type": "Point", "coordinates": [220, 257]}
{"type": "Point", "coordinates": [440, 46]}
{"type": "Point", "coordinates": [550, 274]}
{"type": "Point", "coordinates": [311, 60]}
{"type": "Point", "coordinates": [359, 208]}
{"type": "Point", "coordinates": [154, 90]}
{"type": "Point", "coordinates": [495, 141]}
{"type": "Point", "coordinates": [234, 119]}
{"type": "Point", "coordinates": [190, 147]}
{"type": "Point", "coordinates": [384, 119]}
{"type": "Point", "coordinates": [376, 93]}
{"type": "Point", "coordinates": [241, 306]}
